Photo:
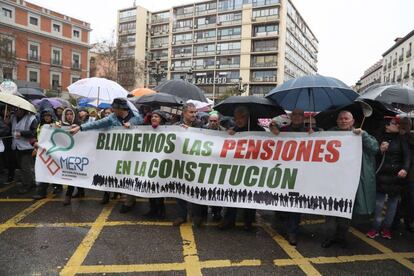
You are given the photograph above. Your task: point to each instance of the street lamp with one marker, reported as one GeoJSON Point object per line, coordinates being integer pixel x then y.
{"type": "Point", "coordinates": [241, 87]}
{"type": "Point", "coordinates": [190, 75]}
{"type": "Point", "coordinates": [158, 73]}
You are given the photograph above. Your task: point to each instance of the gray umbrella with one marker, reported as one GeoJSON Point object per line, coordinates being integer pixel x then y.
{"type": "Point", "coordinates": [31, 93]}
{"type": "Point", "coordinates": [182, 89]}
{"type": "Point", "coordinates": [394, 93]}
{"type": "Point", "coordinates": [158, 99]}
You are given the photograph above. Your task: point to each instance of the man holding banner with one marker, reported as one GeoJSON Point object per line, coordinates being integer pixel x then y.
{"type": "Point", "coordinates": [337, 227]}
{"type": "Point", "coordinates": [121, 116]}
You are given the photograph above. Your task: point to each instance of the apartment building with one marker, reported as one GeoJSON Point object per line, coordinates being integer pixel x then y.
{"type": "Point", "coordinates": [250, 45]}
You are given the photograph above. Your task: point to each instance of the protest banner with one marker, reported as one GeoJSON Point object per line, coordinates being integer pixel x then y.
{"type": "Point", "coordinates": [296, 172]}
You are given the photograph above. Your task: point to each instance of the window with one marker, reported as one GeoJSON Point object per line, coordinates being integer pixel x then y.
{"type": "Point", "coordinates": [34, 21]}
{"type": "Point", "coordinates": [56, 54]}
{"type": "Point", "coordinates": [6, 49]}
{"type": "Point", "coordinates": [265, 30]}
{"type": "Point", "coordinates": [129, 13]}
{"type": "Point", "coordinates": [7, 12]}
{"type": "Point", "coordinates": [33, 52]}
{"type": "Point", "coordinates": [33, 76]}
{"type": "Point", "coordinates": [75, 61]}
{"type": "Point", "coordinates": [75, 79]}
{"type": "Point", "coordinates": [229, 17]}
{"type": "Point", "coordinates": [265, 45]}
{"type": "Point", "coordinates": [55, 80]}
{"type": "Point", "coordinates": [76, 33]}
{"type": "Point", "coordinates": [265, 12]}
{"type": "Point", "coordinates": [56, 28]}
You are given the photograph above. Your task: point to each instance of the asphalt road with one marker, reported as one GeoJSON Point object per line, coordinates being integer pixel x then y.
{"type": "Point", "coordinates": [46, 238]}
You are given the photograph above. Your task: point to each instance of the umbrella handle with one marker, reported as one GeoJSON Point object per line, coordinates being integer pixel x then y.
{"type": "Point", "coordinates": [363, 121]}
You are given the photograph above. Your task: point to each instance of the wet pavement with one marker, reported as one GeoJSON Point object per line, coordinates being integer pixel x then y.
{"type": "Point", "coordinates": [46, 238]}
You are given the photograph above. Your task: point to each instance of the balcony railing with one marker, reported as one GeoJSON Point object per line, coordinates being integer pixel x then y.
{"type": "Point", "coordinates": [207, 53]}
{"type": "Point", "coordinates": [160, 20]}
{"type": "Point", "coordinates": [180, 29]}
{"type": "Point", "coordinates": [35, 58]}
{"type": "Point", "coordinates": [265, 64]}
{"type": "Point", "coordinates": [389, 65]}
{"type": "Point", "coordinates": [264, 49]}
{"type": "Point", "coordinates": [400, 58]}
{"type": "Point", "coordinates": [227, 37]}
{"type": "Point", "coordinates": [56, 62]}
{"type": "Point", "coordinates": [394, 62]}
{"type": "Point", "coordinates": [408, 54]}
{"type": "Point", "coordinates": [7, 54]}
{"type": "Point", "coordinates": [179, 16]}
{"type": "Point", "coordinates": [227, 66]}
{"type": "Point", "coordinates": [198, 13]}
{"type": "Point", "coordinates": [264, 79]}
{"type": "Point", "coordinates": [259, 3]}
{"type": "Point", "coordinates": [399, 77]}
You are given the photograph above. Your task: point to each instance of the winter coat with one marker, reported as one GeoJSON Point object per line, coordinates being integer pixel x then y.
{"type": "Point", "coordinates": [112, 121]}
{"type": "Point", "coordinates": [366, 194]}
{"type": "Point", "coordinates": [396, 158]}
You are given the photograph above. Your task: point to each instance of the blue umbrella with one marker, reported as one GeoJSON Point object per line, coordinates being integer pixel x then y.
{"type": "Point", "coordinates": [312, 93]}
{"type": "Point", "coordinates": [86, 102]}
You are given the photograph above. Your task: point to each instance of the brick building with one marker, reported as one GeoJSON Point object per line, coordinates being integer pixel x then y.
{"type": "Point", "coordinates": [42, 46]}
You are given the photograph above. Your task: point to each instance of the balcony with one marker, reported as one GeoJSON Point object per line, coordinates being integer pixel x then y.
{"type": "Point", "coordinates": [33, 58]}
{"type": "Point", "coordinates": [264, 79]}
{"type": "Point", "coordinates": [204, 39]}
{"type": "Point", "coordinates": [399, 77]}
{"type": "Point", "coordinates": [205, 12]}
{"type": "Point", "coordinates": [182, 29]}
{"type": "Point", "coordinates": [265, 64]}
{"type": "Point", "coordinates": [264, 49]}
{"type": "Point", "coordinates": [181, 68]}
{"type": "Point", "coordinates": [260, 3]}
{"type": "Point", "coordinates": [389, 65]}
{"type": "Point", "coordinates": [400, 58]}
{"type": "Point", "coordinates": [408, 54]}
{"type": "Point", "coordinates": [406, 75]}
{"type": "Point", "coordinates": [231, 22]}
{"type": "Point", "coordinates": [228, 52]}
{"type": "Point", "coordinates": [227, 66]}
{"type": "Point", "coordinates": [7, 54]}
{"type": "Point", "coordinates": [228, 37]}
{"type": "Point", "coordinates": [56, 62]}
{"type": "Point", "coordinates": [160, 20]}
{"type": "Point", "coordinates": [412, 72]}
{"type": "Point", "coordinates": [184, 15]}
{"type": "Point", "coordinates": [76, 66]}
{"type": "Point", "coordinates": [384, 68]}
{"type": "Point", "coordinates": [207, 53]}
{"type": "Point", "coordinates": [394, 62]}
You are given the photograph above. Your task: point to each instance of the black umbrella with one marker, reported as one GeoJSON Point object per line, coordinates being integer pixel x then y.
{"type": "Point", "coordinates": [394, 93]}
{"type": "Point", "coordinates": [259, 107]}
{"type": "Point", "coordinates": [312, 93]}
{"type": "Point", "coordinates": [182, 89]}
{"type": "Point", "coordinates": [327, 119]}
{"type": "Point", "coordinates": [158, 99]}
{"type": "Point", "coordinates": [31, 93]}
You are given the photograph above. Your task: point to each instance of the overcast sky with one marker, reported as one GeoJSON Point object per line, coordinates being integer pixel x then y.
{"type": "Point", "coordinates": [352, 34]}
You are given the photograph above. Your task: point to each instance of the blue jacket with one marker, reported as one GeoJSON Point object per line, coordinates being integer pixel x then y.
{"type": "Point", "coordinates": [112, 121]}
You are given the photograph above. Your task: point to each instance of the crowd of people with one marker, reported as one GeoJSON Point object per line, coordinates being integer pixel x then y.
{"type": "Point", "coordinates": [387, 171]}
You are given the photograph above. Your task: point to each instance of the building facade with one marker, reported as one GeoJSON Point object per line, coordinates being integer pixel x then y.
{"type": "Point", "coordinates": [245, 45]}
{"type": "Point", "coordinates": [398, 62]}
{"type": "Point", "coordinates": [372, 75]}
{"type": "Point", "coordinates": [42, 46]}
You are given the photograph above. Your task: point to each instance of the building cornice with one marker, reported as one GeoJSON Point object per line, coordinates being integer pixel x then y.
{"type": "Point", "coordinates": [41, 33]}
{"type": "Point", "coordinates": [398, 43]}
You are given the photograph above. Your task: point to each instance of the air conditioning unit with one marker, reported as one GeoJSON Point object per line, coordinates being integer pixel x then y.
{"type": "Point", "coordinates": [218, 23]}
{"type": "Point", "coordinates": [152, 32]}
{"type": "Point", "coordinates": [173, 42]}
{"type": "Point", "coordinates": [195, 26]}
{"type": "Point", "coordinates": [172, 67]}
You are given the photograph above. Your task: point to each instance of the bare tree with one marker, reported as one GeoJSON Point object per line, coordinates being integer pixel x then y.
{"type": "Point", "coordinates": [104, 60]}
{"type": "Point", "coordinates": [8, 58]}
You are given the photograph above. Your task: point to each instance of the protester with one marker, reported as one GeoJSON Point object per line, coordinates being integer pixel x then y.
{"type": "Point", "coordinates": [337, 227]}
{"type": "Point", "coordinates": [9, 155]}
{"type": "Point", "coordinates": [106, 112]}
{"type": "Point", "coordinates": [189, 119]}
{"type": "Point", "coordinates": [292, 220]}
{"type": "Point", "coordinates": [243, 123]}
{"type": "Point", "coordinates": [46, 118]}
{"type": "Point", "coordinates": [68, 117]}
{"type": "Point", "coordinates": [59, 111]}
{"type": "Point", "coordinates": [394, 164]}
{"type": "Point", "coordinates": [157, 206]}
{"type": "Point", "coordinates": [24, 125]}
{"type": "Point", "coordinates": [214, 124]}
{"type": "Point", "coordinates": [407, 200]}
{"type": "Point", "coordinates": [83, 115]}
{"type": "Point", "coordinates": [121, 116]}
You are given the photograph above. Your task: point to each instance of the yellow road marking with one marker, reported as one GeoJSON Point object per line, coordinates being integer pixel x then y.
{"type": "Point", "coordinates": [297, 258]}
{"type": "Point", "coordinates": [15, 200]}
{"type": "Point", "coordinates": [191, 260]}
{"type": "Point", "coordinates": [83, 249]}
{"type": "Point", "coordinates": [14, 220]}
{"type": "Point", "coordinates": [382, 248]}
{"type": "Point", "coordinates": [131, 268]}
{"type": "Point", "coordinates": [229, 263]}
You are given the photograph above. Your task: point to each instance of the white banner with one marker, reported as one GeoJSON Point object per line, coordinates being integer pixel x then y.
{"type": "Point", "coordinates": [296, 172]}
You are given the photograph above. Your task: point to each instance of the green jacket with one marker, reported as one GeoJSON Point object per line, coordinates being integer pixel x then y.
{"type": "Point", "coordinates": [366, 193]}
